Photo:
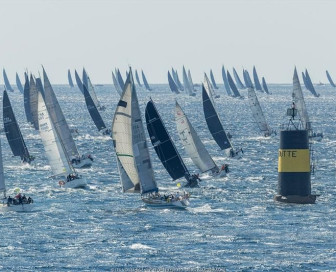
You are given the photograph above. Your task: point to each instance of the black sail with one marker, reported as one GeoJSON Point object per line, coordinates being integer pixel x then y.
{"type": "Point", "coordinates": [214, 124]}
{"type": "Point", "coordinates": [26, 98]}
{"type": "Point", "coordinates": [95, 115]}
{"type": "Point", "coordinates": [13, 132]}
{"type": "Point", "coordinates": [163, 145]}
{"type": "Point", "coordinates": [33, 95]}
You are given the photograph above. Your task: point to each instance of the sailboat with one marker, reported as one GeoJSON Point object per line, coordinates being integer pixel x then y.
{"type": "Point", "coordinates": [310, 85]}
{"type": "Point", "coordinates": [62, 128]}
{"type": "Point", "coordinates": [33, 102]}
{"type": "Point", "coordinates": [7, 84]}
{"type": "Point", "coordinates": [212, 78]}
{"type": "Point", "coordinates": [116, 84]}
{"type": "Point", "coordinates": [330, 79]}
{"type": "Point", "coordinates": [240, 85]}
{"type": "Point", "coordinates": [70, 79]}
{"type": "Point", "coordinates": [247, 79]}
{"type": "Point", "coordinates": [177, 80]}
{"type": "Point", "coordinates": [300, 105]}
{"type": "Point", "coordinates": [137, 78]}
{"type": "Point", "coordinates": [194, 146]}
{"type": "Point", "coordinates": [79, 82]}
{"type": "Point", "coordinates": [172, 85]}
{"type": "Point", "coordinates": [165, 147]}
{"type": "Point", "coordinates": [90, 88]}
{"type": "Point", "coordinates": [256, 80]}
{"type": "Point", "coordinates": [119, 79]}
{"type": "Point", "coordinates": [94, 113]}
{"type": "Point", "coordinates": [19, 203]}
{"type": "Point", "coordinates": [191, 83]}
{"type": "Point", "coordinates": [18, 83]}
{"type": "Point", "coordinates": [55, 150]}
{"type": "Point", "coordinates": [186, 83]}
{"type": "Point", "coordinates": [26, 100]}
{"type": "Point", "coordinates": [226, 82]}
{"type": "Point", "coordinates": [257, 113]}
{"type": "Point", "coordinates": [214, 124]}
{"type": "Point", "coordinates": [265, 85]}
{"type": "Point", "coordinates": [134, 163]}
{"type": "Point", "coordinates": [233, 86]}
{"type": "Point", "coordinates": [213, 94]}
{"type": "Point", "coordinates": [145, 81]}
{"type": "Point", "coordinates": [13, 132]}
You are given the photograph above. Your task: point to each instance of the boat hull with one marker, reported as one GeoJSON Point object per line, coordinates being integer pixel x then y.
{"type": "Point", "coordinates": [75, 183]}
{"type": "Point", "coordinates": [17, 208]}
{"type": "Point", "coordinates": [84, 163]}
{"type": "Point", "coordinates": [162, 203]}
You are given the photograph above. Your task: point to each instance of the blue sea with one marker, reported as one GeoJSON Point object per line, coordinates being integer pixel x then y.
{"type": "Point", "coordinates": [232, 223]}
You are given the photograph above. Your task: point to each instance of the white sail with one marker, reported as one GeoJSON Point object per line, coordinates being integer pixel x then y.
{"type": "Point", "coordinates": [2, 177]}
{"type": "Point", "coordinates": [93, 93]}
{"type": "Point", "coordinates": [191, 83]}
{"type": "Point", "coordinates": [130, 145]}
{"type": "Point", "coordinates": [257, 112]}
{"type": "Point", "coordinates": [186, 83]}
{"type": "Point", "coordinates": [116, 84]}
{"type": "Point", "coordinates": [191, 142]}
{"type": "Point", "coordinates": [299, 101]}
{"type": "Point", "coordinates": [209, 88]}
{"type": "Point", "coordinates": [53, 147]}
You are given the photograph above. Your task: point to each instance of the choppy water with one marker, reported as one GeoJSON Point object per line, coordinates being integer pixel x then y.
{"type": "Point", "coordinates": [232, 223]}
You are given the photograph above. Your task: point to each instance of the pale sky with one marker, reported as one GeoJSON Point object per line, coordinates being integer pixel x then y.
{"type": "Point", "coordinates": [156, 35]}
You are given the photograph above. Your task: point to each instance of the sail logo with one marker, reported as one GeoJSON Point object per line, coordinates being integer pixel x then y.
{"type": "Point", "coordinates": [41, 116]}
{"type": "Point", "coordinates": [7, 120]}
{"type": "Point", "coordinates": [90, 107]}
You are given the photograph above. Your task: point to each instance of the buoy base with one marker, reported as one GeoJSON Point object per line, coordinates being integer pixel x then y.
{"type": "Point", "coordinates": [309, 199]}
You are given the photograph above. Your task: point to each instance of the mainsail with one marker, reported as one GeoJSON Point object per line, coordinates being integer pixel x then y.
{"type": "Point", "coordinates": [177, 80]}
{"type": "Point", "coordinates": [70, 79]}
{"type": "Point", "coordinates": [186, 83]}
{"type": "Point", "coordinates": [116, 84]}
{"type": "Point", "coordinates": [79, 82]}
{"type": "Point", "coordinates": [191, 83]}
{"type": "Point", "coordinates": [310, 85]}
{"type": "Point", "coordinates": [135, 168]}
{"type": "Point", "coordinates": [163, 144]}
{"type": "Point", "coordinates": [305, 80]}
{"type": "Point", "coordinates": [257, 112]}
{"type": "Point", "coordinates": [145, 81]}
{"type": "Point", "coordinates": [18, 83]}
{"type": "Point", "coordinates": [226, 82]}
{"type": "Point", "coordinates": [256, 80]}
{"type": "Point", "coordinates": [119, 78]}
{"type": "Point", "coordinates": [33, 102]}
{"type": "Point", "coordinates": [237, 79]}
{"type": "Point", "coordinates": [7, 84]}
{"type": "Point", "coordinates": [212, 119]}
{"type": "Point", "coordinates": [172, 85]}
{"type": "Point", "coordinates": [13, 132]}
{"type": "Point", "coordinates": [212, 78]}
{"type": "Point", "coordinates": [192, 143]}
{"type": "Point", "coordinates": [247, 79]}
{"type": "Point", "coordinates": [26, 100]}
{"type": "Point", "coordinates": [137, 78]}
{"type": "Point", "coordinates": [265, 85]}
{"type": "Point", "coordinates": [90, 88]}
{"type": "Point", "coordinates": [330, 79]}
{"type": "Point", "coordinates": [233, 85]}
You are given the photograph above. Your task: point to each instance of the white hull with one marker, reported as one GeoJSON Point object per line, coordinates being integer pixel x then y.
{"type": "Point", "coordinates": [84, 163]}
{"type": "Point", "coordinates": [17, 208]}
{"type": "Point", "coordinates": [75, 183]}
{"type": "Point", "coordinates": [160, 202]}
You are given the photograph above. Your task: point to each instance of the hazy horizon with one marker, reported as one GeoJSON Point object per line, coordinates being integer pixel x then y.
{"type": "Point", "coordinates": [157, 35]}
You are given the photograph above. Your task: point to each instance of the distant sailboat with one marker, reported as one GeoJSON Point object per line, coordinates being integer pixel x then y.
{"type": "Point", "coordinates": [330, 79]}
{"type": "Point", "coordinates": [240, 85]}
{"type": "Point", "coordinates": [70, 79]}
{"type": "Point", "coordinates": [119, 78]}
{"type": "Point", "coordinates": [116, 84]}
{"type": "Point", "coordinates": [133, 159]}
{"type": "Point", "coordinates": [256, 80]}
{"type": "Point", "coordinates": [310, 85]}
{"type": "Point", "coordinates": [13, 132]}
{"type": "Point", "coordinates": [213, 122]}
{"type": "Point", "coordinates": [90, 88]}
{"type": "Point", "coordinates": [172, 85]}
{"type": "Point", "coordinates": [18, 204]}
{"type": "Point", "coordinates": [18, 83]}
{"type": "Point", "coordinates": [55, 151]}
{"type": "Point", "coordinates": [137, 78]}
{"type": "Point", "coordinates": [26, 100]}
{"type": "Point", "coordinates": [233, 86]}
{"type": "Point", "coordinates": [177, 80]}
{"type": "Point", "coordinates": [304, 80]}
{"type": "Point", "coordinates": [194, 146]}
{"type": "Point", "coordinates": [79, 82]}
{"type": "Point", "coordinates": [248, 80]}
{"type": "Point", "coordinates": [212, 78]}
{"type": "Point", "coordinates": [33, 95]}
{"type": "Point", "coordinates": [265, 85]}
{"type": "Point", "coordinates": [191, 83]}
{"type": "Point", "coordinates": [257, 113]}
{"type": "Point", "coordinates": [7, 84]}
{"type": "Point", "coordinates": [213, 94]}
{"type": "Point", "coordinates": [165, 147]}
{"type": "Point", "coordinates": [226, 82]}
{"type": "Point", "coordinates": [145, 81]}
{"type": "Point", "coordinates": [186, 83]}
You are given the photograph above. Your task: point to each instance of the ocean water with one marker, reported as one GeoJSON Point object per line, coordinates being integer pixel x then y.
{"type": "Point", "coordinates": [232, 224]}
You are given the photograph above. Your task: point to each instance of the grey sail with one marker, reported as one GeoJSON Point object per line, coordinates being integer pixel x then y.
{"type": "Point", "coordinates": [58, 119]}
{"type": "Point", "coordinates": [192, 143]}
{"type": "Point", "coordinates": [305, 81]}
{"type": "Point", "coordinates": [191, 83]}
{"type": "Point", "coordinates": [144, 79]}
{"type": "Point", "coordinates": [135, 168]}
{"type": "Point", "coordinates": [212, 120]}
{"type": "Point", "coordinates": [330, 79]}
{"type": "Point", "coordinates": [257, 112]}
{"type": "Point", "coordinates": [186, 83]}
{"type": "Point", "coordinates": [120, 79]}
{"type": "Point", "coordinates": [26, 100]}
{"type": "Point", "coordinates": [233, 85]}
{"type": "Point", "coordinates": [172, 85]}
{"type": "Point", "coordinates": [116, 84]}
{"type": "Point", "coordinates": [240, 85]}
{"type": "Point", "coordinates": [256, 80]}
{"type": "Point", "coordinates": [137, 78]}
{"type": "Point", "coordinates": [212, 78]}
{"type": "Point", "coordinates": [13, 132]}
{"type": "Point", "coordinates": [226, 82]}
{"type": "Point", "coordinates": [177, 80]}
{"type": "Point", "coordinates": [79, 82]}
{"type": "Point", "coordinates": [209, 87]}
{"type": "Point", "coordinates": [90, 88]}
{"type": "Point", "coordinates": [7, 84]}
{"type": "Point", "coordinates": [70, 79]}
{"type": "Point", "coordinates": [265, 85]}
{"type": "Point", "coordinates": [33, 98]}
{"type": "Point", "coordinates": [310, 84]}
{"type": "Point", "coordinates": [18, 83]}
{"type": "Point", "coordinates": [246, 79]}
